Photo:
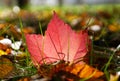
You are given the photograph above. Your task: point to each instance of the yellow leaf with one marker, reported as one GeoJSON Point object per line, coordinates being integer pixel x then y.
{"type": "Point", "coordinates": [114, 77]}
{"type": "Point", "coordinates": [2, 53]}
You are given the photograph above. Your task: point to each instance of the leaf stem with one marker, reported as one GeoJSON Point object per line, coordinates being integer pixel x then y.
{"type": "Point", "coordinates": [107, 65]}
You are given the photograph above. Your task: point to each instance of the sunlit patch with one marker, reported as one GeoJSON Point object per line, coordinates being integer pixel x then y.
{"type": "Point", "coordinates": [16, 9]}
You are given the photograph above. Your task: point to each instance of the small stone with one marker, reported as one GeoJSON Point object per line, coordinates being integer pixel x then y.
{"type": "Point", "coordinates": [6, 41]}
{"type": "Point", "coordinates": [16, 45]}
{"type": "Point", "coordinates": [95, 28]}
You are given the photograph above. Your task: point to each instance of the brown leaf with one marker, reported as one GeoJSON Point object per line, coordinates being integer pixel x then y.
{"type": "Point", "coordinates": [3, 47]}
{"type": "Point", "coordinates": [6, 67]}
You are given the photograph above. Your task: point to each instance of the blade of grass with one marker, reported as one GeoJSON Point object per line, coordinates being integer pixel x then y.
{"type": "Point", "coordinates": [42, 54]}
{"type": "Point", "coordinates": [107, 65]}
{"type": "Point", "coordinates": [91, 53]}
{"type": "Point", "coordinates": [21, 28]}
{"type": "Point", "coordinates": [4, 30]}
{"type": "Point", "coordinates": [40, 29]}
{"type": "Point", "coordinates": [23, 39]}
{"type": "Point", "coordinates": [88, 23]}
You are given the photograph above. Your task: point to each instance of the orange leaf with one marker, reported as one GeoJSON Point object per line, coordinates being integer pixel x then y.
{"type": "Point", "coordinates": [85, 71]}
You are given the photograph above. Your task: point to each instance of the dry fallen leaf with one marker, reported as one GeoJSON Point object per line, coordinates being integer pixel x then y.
{"type": "Point", "coordinates": [85, 71]}
{"type": "Point", "coordinates": [6, 67]}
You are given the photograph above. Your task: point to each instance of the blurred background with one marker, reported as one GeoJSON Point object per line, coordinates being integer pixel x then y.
{"type": "Point", "coordinates": [54, 2]}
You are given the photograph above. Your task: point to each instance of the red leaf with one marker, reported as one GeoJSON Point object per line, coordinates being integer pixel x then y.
{"type": "Point", "coordinates": [59, 43]}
